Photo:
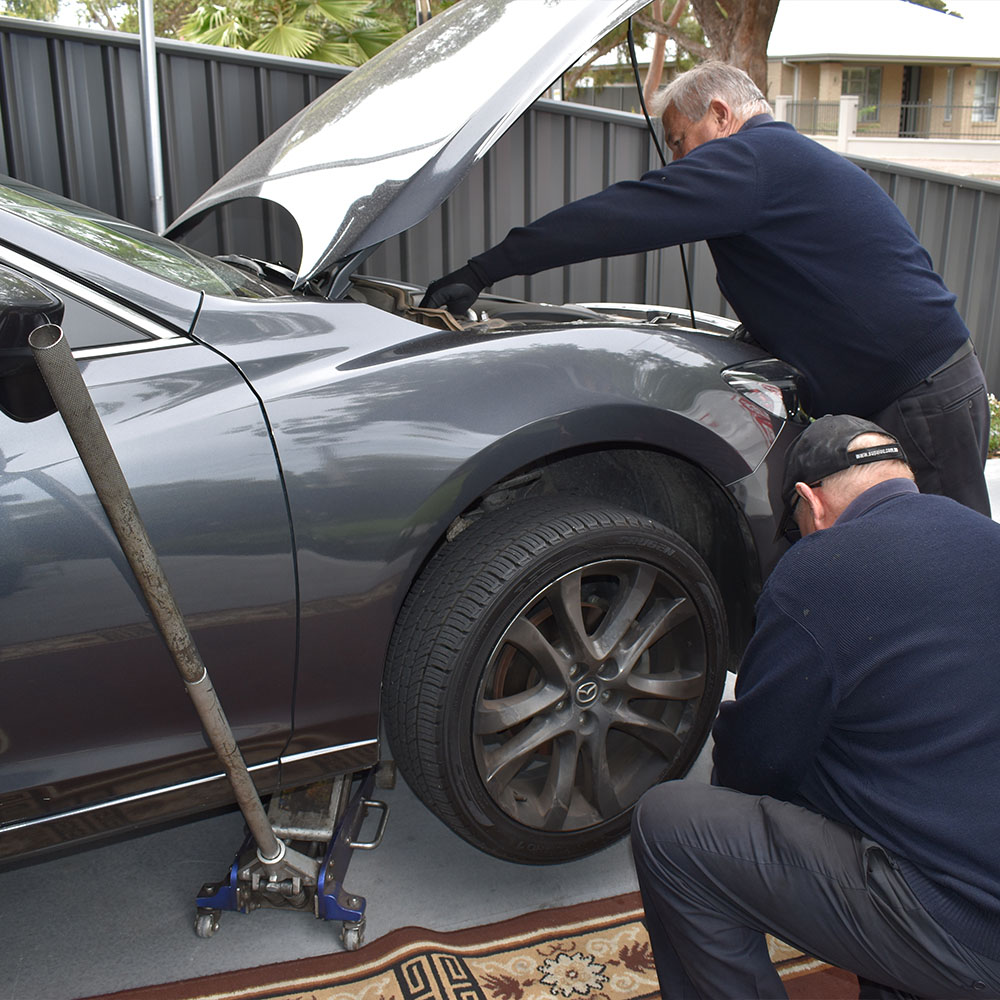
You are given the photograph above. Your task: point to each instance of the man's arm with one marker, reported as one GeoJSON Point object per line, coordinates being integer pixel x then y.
{"type": "Point", "coordinates": [766, 740]}
{"type": "Point", "coordinates": [710, 193]}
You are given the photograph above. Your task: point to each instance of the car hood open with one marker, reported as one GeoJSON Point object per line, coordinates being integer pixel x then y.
{"type": "Point", "coordinates": [380, 150]}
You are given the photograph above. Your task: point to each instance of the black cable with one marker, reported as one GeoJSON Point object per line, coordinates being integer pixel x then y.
{"type": "Point", "coordinates": [663, 161]}
{"type": "Point", "coordinates": [642, 97]}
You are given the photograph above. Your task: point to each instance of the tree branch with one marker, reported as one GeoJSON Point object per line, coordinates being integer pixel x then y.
{"type": "Point", "coordinates": [571, 76]}
{"type": "Point", "coordinates": [696, 49]}
{"type": "Point", "coordinates": [717, 22]}
{"type": "Point", "coordinates": [654, 72]}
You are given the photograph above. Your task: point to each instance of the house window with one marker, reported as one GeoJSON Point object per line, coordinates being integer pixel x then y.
{"type": "Point", "coordinates": [984, 96]}
{"type": "Point", "coordinates": [949, 94]}
{"type": "Point", "coordinates": [864, 82]}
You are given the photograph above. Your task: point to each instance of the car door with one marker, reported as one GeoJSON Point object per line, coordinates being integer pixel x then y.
{"type": "Point", "coordinates": [95, 723]}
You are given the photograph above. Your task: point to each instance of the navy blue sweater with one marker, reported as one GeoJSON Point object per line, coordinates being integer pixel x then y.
{"type": "Point", "coordinates": [870, 692]}
{"type": "Point", "coordinates": [815, 259]}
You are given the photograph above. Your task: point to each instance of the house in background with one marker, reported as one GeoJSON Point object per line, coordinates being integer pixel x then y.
{"type": "Point", "coordinates": [916, 72]}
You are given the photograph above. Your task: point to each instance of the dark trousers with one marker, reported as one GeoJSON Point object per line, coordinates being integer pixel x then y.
{"type": "Point", "coordinates": [943, 425]}
{"type": "Point", "coordinates": [717, 869]}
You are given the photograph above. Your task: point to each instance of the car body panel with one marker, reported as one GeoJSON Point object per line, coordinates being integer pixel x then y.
{"type": "Point", "coordinates": [80, 657]}
{"type": "Point", "coordinates": [350, 184]}
{"type": "Point", "coordinates": [387, 432]}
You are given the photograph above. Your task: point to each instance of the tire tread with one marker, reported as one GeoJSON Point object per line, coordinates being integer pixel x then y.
{"type": "Point", "coordinates": [443, 607]}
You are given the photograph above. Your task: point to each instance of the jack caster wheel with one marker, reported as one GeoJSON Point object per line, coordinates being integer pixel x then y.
{"type": "Point", "coordinates": [352, 934]}
{"type": "Point", "coordinates": [206, 923]}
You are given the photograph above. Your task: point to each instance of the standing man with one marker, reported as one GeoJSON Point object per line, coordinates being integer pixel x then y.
{"type": "Point", "coordinates": [853, 810]}
{"type": "Point", "coordinates": [815, 259]}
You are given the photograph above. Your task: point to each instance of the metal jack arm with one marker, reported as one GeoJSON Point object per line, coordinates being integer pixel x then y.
{"type": "Point", "coordinates": [72, 399]}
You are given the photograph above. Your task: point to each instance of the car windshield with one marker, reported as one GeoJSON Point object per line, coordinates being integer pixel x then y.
{"type": "Point", "coordinates": [128, 243]}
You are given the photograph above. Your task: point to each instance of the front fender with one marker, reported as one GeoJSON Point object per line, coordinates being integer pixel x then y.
{"type": "Point", "coordinates": [384, 435]}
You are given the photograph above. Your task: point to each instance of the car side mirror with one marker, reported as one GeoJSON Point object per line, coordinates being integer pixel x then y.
{"type": "Point", "coordinates": [24, 305]}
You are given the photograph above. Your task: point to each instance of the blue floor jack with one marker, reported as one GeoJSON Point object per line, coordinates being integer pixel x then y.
{"type": "Point", "coordinates": [296, 853]}
{"type": "Point", "coordinates": [319, 825]}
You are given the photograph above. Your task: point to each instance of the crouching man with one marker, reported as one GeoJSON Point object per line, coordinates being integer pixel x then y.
{"type": "Point", "coordinates": [853, 810]}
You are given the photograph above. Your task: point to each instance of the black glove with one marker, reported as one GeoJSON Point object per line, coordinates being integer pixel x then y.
{"type": "Point", "coordinates": [743, 335]}
{"type": "Point", "coordinates": [456, 291]}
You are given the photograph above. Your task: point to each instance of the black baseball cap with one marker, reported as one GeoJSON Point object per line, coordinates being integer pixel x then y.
{"type": "Point", "coordinates": [821, 450]}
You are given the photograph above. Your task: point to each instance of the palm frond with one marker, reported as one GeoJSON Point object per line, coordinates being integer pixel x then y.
{"type": "Point", "coordinates": [341, 53]}
{"type": "Point", "coordinates": [373, 40]}
{"type": "Point", "coordinates": [344, 31]}
{"type": "Point", "coordinates": [345, 13]}
{"type": "Point", "coordinates": [213, 24]}
{"type": "Point", "coordinates": [288, 40]}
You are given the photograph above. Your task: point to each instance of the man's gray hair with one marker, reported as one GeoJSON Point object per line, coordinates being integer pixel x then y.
{"type": "Point", "coordinates": [692, 92]}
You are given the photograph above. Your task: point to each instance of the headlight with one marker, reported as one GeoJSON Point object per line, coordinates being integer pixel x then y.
{"type": "Point", "coordinates": [771, 384]}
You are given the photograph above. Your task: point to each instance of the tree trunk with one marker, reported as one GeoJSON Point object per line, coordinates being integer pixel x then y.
{"type": "Point", "coordinates": [654, 74]}
{"type": "Point", "coordinates": [738, 31]}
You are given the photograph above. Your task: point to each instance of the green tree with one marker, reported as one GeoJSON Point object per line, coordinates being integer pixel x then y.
{"type": "Point", "coordinates": [341, 31]}
{"type": "Point", "coordinates": [37, 10]}
{"type": "Point", "coordinates": [737, 32]}
{"type": "Point", "coordinates": [672, 15]}
{"type": "Point", "coordinates": [123, 15]}
{"type": "Point", "coordinates": [405, 11]}
{"type": "Point", "coordinates": [733, 31]}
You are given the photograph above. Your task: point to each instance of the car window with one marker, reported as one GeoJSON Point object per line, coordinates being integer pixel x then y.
{"type": "Point", "coordinates": [92, 320]}
{"type": "Point", "coordinates": [130, 244]}
{"type": "Point", "coordinates": [85, 326]}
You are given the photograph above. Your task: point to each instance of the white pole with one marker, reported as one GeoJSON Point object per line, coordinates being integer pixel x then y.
{"type": "Point", "coordinates": [151, 103]}
{"type": "Point", "coordinates": [847, 123]}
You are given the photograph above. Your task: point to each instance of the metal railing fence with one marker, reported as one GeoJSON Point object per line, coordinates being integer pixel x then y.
{"type": "Point", "coordinates": [70, 121]}
{"type": "Point", "coordinates": [923, 120]}
{"type": "Point", "coordinates": [814, 117]}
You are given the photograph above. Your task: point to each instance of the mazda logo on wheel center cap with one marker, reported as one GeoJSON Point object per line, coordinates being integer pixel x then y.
{"type": "Point", "coordinates": [586, 692]}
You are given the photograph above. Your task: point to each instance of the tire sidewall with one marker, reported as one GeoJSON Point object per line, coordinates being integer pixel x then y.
{"type": "Point", "coordinates": [515, 581]}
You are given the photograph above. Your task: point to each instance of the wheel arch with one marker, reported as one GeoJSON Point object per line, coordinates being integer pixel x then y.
{"type": "Point", "coordinates": [632, 471]}
{"type": "Point", "coordinates": [684, 497]}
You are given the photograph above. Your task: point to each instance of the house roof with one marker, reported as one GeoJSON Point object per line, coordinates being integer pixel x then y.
{"type": "Point", "coordinates": [885, 31]}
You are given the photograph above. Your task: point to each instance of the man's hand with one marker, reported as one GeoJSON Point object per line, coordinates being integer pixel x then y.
{"type": "Point", "coordinates": [456, 291]}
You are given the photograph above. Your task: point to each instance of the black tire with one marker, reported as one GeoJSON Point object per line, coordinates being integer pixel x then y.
{"type": "Point", "coordinates": [550, 664]}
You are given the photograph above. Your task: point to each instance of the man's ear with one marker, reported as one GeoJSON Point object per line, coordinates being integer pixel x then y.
{"type": "Point", "coordinates": [823, 515]}
{"type": "Point", "coordinates": [722, 113]}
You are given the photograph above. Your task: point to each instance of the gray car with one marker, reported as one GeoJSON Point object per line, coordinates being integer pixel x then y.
{"type": "Point", "coordinates": [515, 551]}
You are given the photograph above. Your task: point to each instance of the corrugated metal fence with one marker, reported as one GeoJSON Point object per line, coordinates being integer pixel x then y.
{"type": "Point", "coordinates": [70, 118]}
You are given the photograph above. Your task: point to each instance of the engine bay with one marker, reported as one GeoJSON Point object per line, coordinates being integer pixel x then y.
{"type": "Point", "coordinates": [494, 312]}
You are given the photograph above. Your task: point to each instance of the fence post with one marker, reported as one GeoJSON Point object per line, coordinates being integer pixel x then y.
{"type": "Point", "coordinates": [781, 104]}
{"type": "Point", "coordinates": [847, 121]}
{"type": "Point", "coordinates": [151, 108]}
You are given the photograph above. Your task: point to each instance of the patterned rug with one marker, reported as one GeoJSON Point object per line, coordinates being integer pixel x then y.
{"type": "Point", "coordinates": [597, 951]}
